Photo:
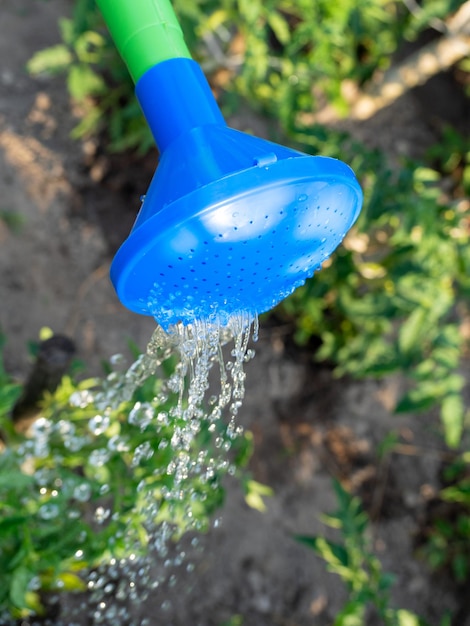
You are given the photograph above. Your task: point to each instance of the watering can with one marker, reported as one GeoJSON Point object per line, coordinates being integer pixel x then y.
{"type": "Point", "coordinates": [230, 222]}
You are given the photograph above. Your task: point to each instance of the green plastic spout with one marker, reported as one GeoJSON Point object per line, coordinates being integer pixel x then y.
{"type": "Point", "coordinates": [146, 32]}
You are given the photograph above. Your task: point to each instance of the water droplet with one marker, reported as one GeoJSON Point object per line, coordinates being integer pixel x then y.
{"type": "Point", "coordinates": [98, 424]}
{"type": "Point", "coordinates": [49, 511]}
{"type": "Point", "coordinates": [98, 457]}
{"type": "Point", "coordinates": [81, 399]}
{"type": "Point", "coordinates": [102, 514]}
{"type": "Point", "coordinates": [82, 492]}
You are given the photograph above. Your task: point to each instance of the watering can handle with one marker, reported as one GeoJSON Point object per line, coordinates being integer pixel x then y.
{"type": "Point", "coordinates": [146, 32]}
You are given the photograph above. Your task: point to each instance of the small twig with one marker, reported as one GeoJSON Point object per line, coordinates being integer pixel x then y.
{"type": "Point", "coordinates": [410, 450]}
{"type": "Point", "coordinates": [419, 67]}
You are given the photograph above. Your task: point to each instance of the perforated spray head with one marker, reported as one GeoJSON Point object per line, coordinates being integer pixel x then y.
{"type": "Point", "coordinates": [230, 222]}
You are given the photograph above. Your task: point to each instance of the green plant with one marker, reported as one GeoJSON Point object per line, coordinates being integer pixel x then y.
{"type": "Point", "coordinates": [393, 297]}
{"type": "Point", "coordinates": [270, 53]}
{"type": "Point", "coordinates": [9, 393]}
{"type": "Point", "coordinates": [447, 537]}
{"type": "Point", "coordinates": [97, 80]}
{"type": "Point", "coordinates": [451, 156]}
{"type": "Point", "coordinates": [12, 220]}
{"type": "Point", "coordinates": [92, 481]}
{"type": "Point", "coordinates": [358, 568]}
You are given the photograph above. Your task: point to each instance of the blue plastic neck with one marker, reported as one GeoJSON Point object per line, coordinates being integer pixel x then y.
{"type": "Point", "coordinates": [176, 98]}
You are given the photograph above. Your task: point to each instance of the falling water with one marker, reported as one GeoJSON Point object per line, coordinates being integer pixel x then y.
{"type": "Point", "coordinates": [199, 400]}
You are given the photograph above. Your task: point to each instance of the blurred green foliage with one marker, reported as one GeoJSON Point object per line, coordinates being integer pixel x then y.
{"type": "Point", "coordinates": [75, 490]}
{"type": "Point", "coordinates": [395, 294]}
{"type": "Point", "coordinates": [284, 57]}
{"type": "Point", "coordinates": [359, 569]}
{"type": "Point", "coordinates": [447, 537]}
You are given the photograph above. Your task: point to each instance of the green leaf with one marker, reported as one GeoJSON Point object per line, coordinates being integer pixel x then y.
{"type": "Point", "coordinates": [460, 567]}
{"type": "Point", "coordinates": [406, 618]}
{"type": "Point", "coordinates": [279, 26]}
{"type": "Point", "coordinates": [87, 47]}
{"type": "Point", "coordinates": [71, 582]}
{"type": "Point", "coordinates": [15, 480]}
{"type": "Point", "coordinates": [333, 553]}
{"type": "Point", "coordinates": [452, 417]}
{"type": "Point", "coordinates": [52, 60]}
{"type": "Point", "coordinates": [67, 30]}
{"type": "Point", "coordinates": [411, 331]}
{"type": "Point", "coordinates": [254, 493]}
{"type": "Point", "coordinates": [19, 587]}
{"type": "Point", "coordinates": [353, 614]}
{"type": "Point", "coordinates": [12, 220]}
{"type": "Point", "coordinates": [83, 82]}
{"type": "Point", "coordinates": [8, 524]}
{"type": "Point", "coordinates": [417, 399]}
{"type": "Point", "coordinates": [457, 493]}
{"type": "Point", "coordinates": [9, 394]}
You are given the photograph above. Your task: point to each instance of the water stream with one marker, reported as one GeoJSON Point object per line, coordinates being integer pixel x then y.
{"type": "Point", "coordinates": [191, 426]}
